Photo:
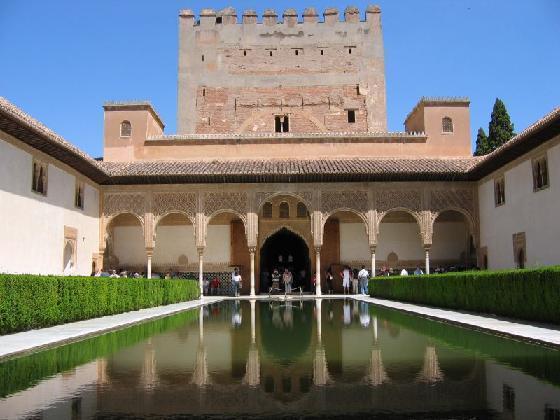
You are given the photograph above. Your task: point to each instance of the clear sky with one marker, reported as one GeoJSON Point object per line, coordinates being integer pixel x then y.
{"type": "Point", "coordinates": [61, 59]}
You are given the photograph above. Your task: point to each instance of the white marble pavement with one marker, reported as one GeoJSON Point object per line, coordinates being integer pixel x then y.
{"type": "Point", "coordinates": [538, 333]}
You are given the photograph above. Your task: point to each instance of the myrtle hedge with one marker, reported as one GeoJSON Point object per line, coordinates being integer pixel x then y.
{"type": "Point", "coordinates": [29, 301]}
{"type": "Point", "coordinates": [531, 294]}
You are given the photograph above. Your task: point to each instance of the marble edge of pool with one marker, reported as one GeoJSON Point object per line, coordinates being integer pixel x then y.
{"type": "Point", "coordinates": [506, 328]}
{"type": "Point", "coordinates": [26, 342]}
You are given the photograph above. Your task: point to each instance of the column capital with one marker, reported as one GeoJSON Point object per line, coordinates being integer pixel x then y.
{"type": "Point", "coordinates": [252, 249]}
{"type": "Point", "coordinates": [200, 250]}
{"type": "Point", "coordinates": [372, 248]}
{"type": "Point", "coordinates": [149, 252]}
{"type": "Point", "coordinates": [317, 249]}
{"type": "Point", "coordinates": [427, 247]}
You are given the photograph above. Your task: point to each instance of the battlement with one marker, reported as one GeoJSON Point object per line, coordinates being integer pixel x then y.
{"type": "Point", "coordinates": [210, 18]}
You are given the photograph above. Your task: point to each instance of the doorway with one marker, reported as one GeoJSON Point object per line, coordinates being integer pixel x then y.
{"type": "Point", "coordinates": [285, 249]}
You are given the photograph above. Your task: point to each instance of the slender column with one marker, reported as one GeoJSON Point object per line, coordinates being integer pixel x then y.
{"type": "Point", "coordinates": [427, 249]}
{"type": "Point", "coordinates": [200, 269]}
{"type": "Point", "coordinates": [149, 254]}
{"type": "Point", "coordinates": [318, 270]}
{"type": "Point", "coordinates": [372, 249]}
{"type": "Point", "coordinates": [253, 323]}
{"type": "Point", "coordinates": [252, 254]}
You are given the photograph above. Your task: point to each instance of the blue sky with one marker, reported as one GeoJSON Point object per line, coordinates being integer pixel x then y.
{"type": "Point", "coordinates": [61, 59]}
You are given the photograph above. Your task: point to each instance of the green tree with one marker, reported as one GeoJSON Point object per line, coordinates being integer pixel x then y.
{"type": "Point", "coordinates": [500, 128]}
{"type": "Point", "coordinates": [482, 147]}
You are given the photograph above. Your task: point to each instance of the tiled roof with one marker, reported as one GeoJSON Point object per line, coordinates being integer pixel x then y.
{"type": "Point", "coordinates": [30, 131]}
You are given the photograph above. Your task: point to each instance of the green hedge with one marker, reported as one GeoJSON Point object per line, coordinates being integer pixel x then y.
{"type": "Point", "coordinates": [28, 301]}
{"type": "Point", "coordinates": [532, 295]}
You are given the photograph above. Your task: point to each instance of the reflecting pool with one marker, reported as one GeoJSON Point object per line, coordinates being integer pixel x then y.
{"type": "Point", "coordinates": [336, 358]}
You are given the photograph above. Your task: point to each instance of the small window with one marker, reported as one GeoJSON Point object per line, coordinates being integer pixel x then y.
{"type": "Point", "coordinates": [270, 53]}
{"type": "Point", "coordinates": [267, 210]}
{"type": "Point", "coordinates": [296, 52]}
{"type": "Point", "coordinates": [219, 20]}
{"type": "Point", "coordinates": [302, 210]}
{"type": "Point", "coordinates": [79, 195]}
{"type": "Point", "coordinates": [284, 210]}
{"type": "Point", "coordinates": [244, 53]}
{"type": "Point", "coordinates": [351, 116]}
{"type": "Point", "coordinates": [499, 192]}
{"type": "Point", "coordinates": [281, 124]}
{"type": "Point", "coordinates": [540, 174]}
{"type": "Point", "coordinates": [322, 52]}
{"type": "Point", "coordinates": [203, 58]}
{"type": "Point", "coordinates": [508, 398]}
{"type": "Point", "coordinates": [39, 177]}
{"type": "Point", "coordinates": [447, 125]}
{"type": "Point", "coordinates": [349, 50]}
{"type": "Point", "coordinates": [203, 92]}
{"type": "Point", "coordinates": [126, 129]}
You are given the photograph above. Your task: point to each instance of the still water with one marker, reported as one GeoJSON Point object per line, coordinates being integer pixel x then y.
{"type": "Point", "coordinates": [282, 359]}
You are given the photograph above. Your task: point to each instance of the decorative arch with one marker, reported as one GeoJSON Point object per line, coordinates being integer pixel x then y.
{"type": "Point", "coordinates": [416, 215]}
{"type": "Point", "coordinates": [278, 228]}
{"type": "Point", "coordinates": [230, 211]}
{"type": "Point", "coordinates": [466, 214]}
{"type": "Point", "coordinates": [159, 218]}
{"type": "Point", "coordinates": [361, 215]}
{"type": "Point", "coordinates": [109, 219]}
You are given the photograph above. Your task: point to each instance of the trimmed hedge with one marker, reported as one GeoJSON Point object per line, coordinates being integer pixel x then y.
{"type": "Point", "coordinates": [29, 301]}
{"type": "Point", "coordinates": [532, 294]}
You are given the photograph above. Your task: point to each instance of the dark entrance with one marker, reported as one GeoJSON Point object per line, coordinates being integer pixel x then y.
{"type": "Point", "coordinates": [283, 250]}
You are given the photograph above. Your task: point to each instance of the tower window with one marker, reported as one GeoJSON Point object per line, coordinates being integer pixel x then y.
{"type": "Point", "coordinates": [447, 125]}
{"type": "Point", "coordinates": [351, 116]}
{"type": "Point", "coordinates": [202, 57]}
{"type": "Point", "coordinates": [270, 53]}
{"type": "Point", "coordinates": [204, 92]}
{"type": "Point", "coordinates": [281, 124]}
{"type": "Point", "coordinates": [322, 51]}
{"type": "Point", "coordinates": [297, 52]}
{"type": "Point", "coordinates": [126, 129]}
{"type": "Point", "coordinates": [79, 195]}
{"type": "Point", "coordinates": [219, 20]}
{"type": "Point", "coordinates": [244, 53]}
{"type": "Point", "coordinates": [302, 210]}
{"type": "Point", "coordinates": [349, 50]}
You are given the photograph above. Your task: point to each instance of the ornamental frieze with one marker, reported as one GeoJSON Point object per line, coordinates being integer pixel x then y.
{"type": "Point", "coordinates": [305, 196]}
{"type": "Point", "coordinates": [117, 203]}
{"type": "Point", "coordinates": [392, 199]}
{"type": "Point", "coordinates": [232, 201]}
{"type": "Point", "coordinates": [334, 200]}
{"type": "Point", "coordinates": [164, 203]}
{"type": "Point", "coordinates": [448, 199]}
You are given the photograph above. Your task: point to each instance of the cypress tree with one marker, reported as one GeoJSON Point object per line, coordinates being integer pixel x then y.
{"type": "Point", "coordinates": [482, 147]}
{"type": "Point", "coordinates": [500, 128]}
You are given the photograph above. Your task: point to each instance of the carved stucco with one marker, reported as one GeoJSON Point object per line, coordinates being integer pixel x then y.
{"type": "Point", "coordinates": [217, 202]}
{"type": "Point", "coordinates": [165, 203]}
{"type": "Point", "coordinates": [305, 196]}
{"type": "Point", "coordinates": [118, 203]}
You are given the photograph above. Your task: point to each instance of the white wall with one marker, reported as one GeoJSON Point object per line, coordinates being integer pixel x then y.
{"type": "Point", "coordinates": [401, 238]}
{"type": "Point", "coordinates": [535, 213]}
{"type": "Point", "coordinates": [171, 242]}
{"type": "Point", "coordinates": [449, 240]}
{"type": "Point", "coordinates": [32, 230]}
{"type": "Point", "coordinates": [353, 242]}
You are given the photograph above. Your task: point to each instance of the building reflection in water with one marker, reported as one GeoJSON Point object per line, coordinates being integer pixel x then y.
{"type": "Point", "coordinates": [292, 359]}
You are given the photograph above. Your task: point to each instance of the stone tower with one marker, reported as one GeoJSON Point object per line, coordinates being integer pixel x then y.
{"type": "Point", "coordinates": [281, 75]}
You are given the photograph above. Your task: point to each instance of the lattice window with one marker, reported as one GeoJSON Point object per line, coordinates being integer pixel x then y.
{"type": "Point", "coordinates": [284, 210]}
{"type": "Point", "coordinates": [39, 177]}
{"type": "Point", "coordinates": [267, 210]}
{"type": "Point", "coordinates": [351, 113]}
{"type": "Point", "coordinates": [126, 129]}
{"type": "Point", "coordinates": [281, 124]}
{"type": "Point", "coordinates": [499, 192]}
{"type": "Point", "coordinates": [302, 210]}
{"type": "Point", "coordinates": [540, 174]}
{"type": "Point", "coordinates": [79, 195]}
{"type": "Point", "coordinates": [447, 125]}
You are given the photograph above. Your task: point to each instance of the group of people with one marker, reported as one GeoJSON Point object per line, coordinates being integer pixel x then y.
{"type": "Point", "coordinates": [116, 275]}
{"type": "Point", "coordinates": [404, 272]}
{"type": "Point", "coordinates": [351, 278]}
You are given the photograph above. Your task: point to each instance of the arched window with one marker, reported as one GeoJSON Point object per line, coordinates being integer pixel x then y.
{"type": "Point", "coordinates": [284, 210]}
{"type": "Point", "coordinates": [126, 129]}
{"type": "Point", "coordinates": [301, 210]}
{"type": "Point", "coordinates": [267, 210]}
{"type": "Point", "coordinates": [447, 125]}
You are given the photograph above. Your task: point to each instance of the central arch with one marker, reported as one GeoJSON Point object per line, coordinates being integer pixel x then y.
{"type": "Point", "coordinates": [285, 249]}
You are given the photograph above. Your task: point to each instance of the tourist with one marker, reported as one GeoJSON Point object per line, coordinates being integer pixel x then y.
{"type": "Point", "coordinates": [275, 280]}
{"type": "Point", "coordinates": [330, 279]}
{"type": "Point", "coordinates": [287, 278]}
{"type": "Point", "coordinates": [355, 281]}
{"type": "Point", "coordinates": [236, 281]}
{"type": "Point", "coordinates": [123, 274]}
{"type": "Point", "coordinates": [205, 286]}
{"type": "Point", "coordinates": [114, 274]}
{"type": "Point", "coordinates": [365, 317]}
{"type": "Point", "coordinates": [363, 277]}
{"type": "Point", "coordinates": [346, 314]}
{"type": "Point", "coordinates": [97, 273]}
{"type": "Point", "coordinates": [418, 271]}
{"type": "Point", "coordinates": [346, 279]}
{"type": "Point", "coordinates": [404, 272]}
{"type": "Point", "coordinates": [214, 286]}
{"type": "Point", "coordinates": [136, 275]}
{"type": "Point", "coordinates": [236, 318]}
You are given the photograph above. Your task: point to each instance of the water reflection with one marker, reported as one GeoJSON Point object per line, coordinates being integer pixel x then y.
{"type": "Point", "coordinates": [327, 357]}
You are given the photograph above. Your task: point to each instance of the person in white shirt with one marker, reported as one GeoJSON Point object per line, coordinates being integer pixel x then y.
{"type": "Point", "coordinates": [363, 276]}
{"type": "Point", "coordinates": [346, 279]}
{"type": "Point", "coordinates": [404, 272]}
{"type": "Point", "coordinates": [236, 281]}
